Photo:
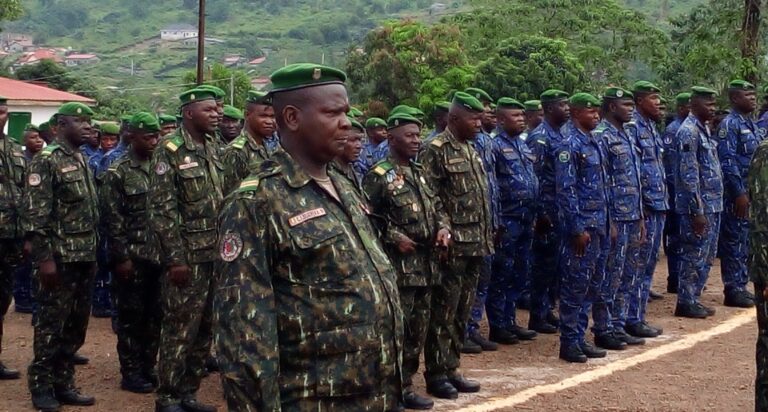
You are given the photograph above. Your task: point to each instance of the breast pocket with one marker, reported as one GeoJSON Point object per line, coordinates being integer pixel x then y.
{"type": "Point", "coordinates": [73, 187]}
{"type": "Point", "coordinates": [647, 149]}
{"type": "Point", "coordinates": [458, 176]}
{"type": "Point", "coordinates": [748, 144]}
{"type": "Point", "coordinates": [136, 205]}
{"type": "Point", "coordinates": [193, 183]}
{"type": "Point", "coordinates": [403, 208]}
{"type": "Point", "coordinates": [321, 254]}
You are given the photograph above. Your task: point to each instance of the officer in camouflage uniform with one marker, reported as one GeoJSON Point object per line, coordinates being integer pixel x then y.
{"type": "Point", "coordinates": [231, 124]}
{"type": "Point", "coordinates": [307, 313]}
{"type": "Point", "coordinates": [757, 187]}
{"type": "Point", "coordinates": [698, 201]}
{"type": "Point", "coordinates": [456, 173]}
{"type": "Point", "coordinates": [581, 185]}
{"type": "Point", "coordinates": [12, 168]}
{"type": "Point", "coordinates": [518, 190]}
{"type": "Point", "coordinates": [134, 256]}
{"type": "Point", "coordinates": [739, 137]}
{"type": "Point", "coordinates": [255, 144]}
{"type": "Point", "coordinates": [398, 190]}
{"type": "Point", "coordinates": [61, 219]}
{"type": "Point", "coordinates": [184, 199]}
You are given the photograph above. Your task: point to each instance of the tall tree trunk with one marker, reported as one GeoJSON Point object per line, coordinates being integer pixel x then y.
{"type": "Point", "coordinates": [750, 40]}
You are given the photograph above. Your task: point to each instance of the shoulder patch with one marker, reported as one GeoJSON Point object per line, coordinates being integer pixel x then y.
{"type": "Point", "coordinates": [722, 133]}
{"type": "Point", "coordinates": [382, 168]}
{"type": "Point", "coordinates": [564, 156]}
{"type": "Point", "coordinates": [174, 143]}
{"type": "Point", "coordinates": [249, 184]}
{"type": "Point", "coordinates": [438, 141]}
{"type": "Point", "coordinates": [49, 150]}
{"type": "Point", "coordinates": [239, 143]}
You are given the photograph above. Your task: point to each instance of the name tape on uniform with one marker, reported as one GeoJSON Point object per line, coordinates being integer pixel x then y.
{"type": "Point", "coordinates": [308, 215]}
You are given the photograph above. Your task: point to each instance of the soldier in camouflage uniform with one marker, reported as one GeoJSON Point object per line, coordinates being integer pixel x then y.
{"type": "Point", "coordinates": [455, 170]}
{"type": "Point", "coordinates": [415, 234]}
{"type": "Point", "coordinates": [345, 163]}
{"type": "Point", "coordinates": [255, 144]}
{"type": "Point", "coordinates": [231, 125]}
{"type": "Point", "coordinates": [757, 187]}
{"type": "Point", "coordinates": [184, 199]}
{"type": "Point", "coordinates": [61, 218]}
{"type": "Point", "coordinates": [134, 256]}
{"type": "Point", "coordinates": [12, 167]}
{"type": "Point", "coordinates": [307, 313]}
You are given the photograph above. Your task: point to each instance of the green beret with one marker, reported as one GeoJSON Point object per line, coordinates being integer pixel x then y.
{"type": "Point", "coordinates": [683, 98]}
{"type": "Point", "coordinates": [468, 102]}
{"type": "Point", "coordinates": [442, 106]}
{"type": "Point", "coordinates": [642, 86]}
{"type": "Point", "coordinates": [700, 91]}
{"type": "Point", "coordinates": [31, 128]}
{"type": "Point", "coordinates": [479, 94]}
{"type": "Point", "coordinates": [218, 92]}
{"type": "Point", "coordinates": [451, 93]}
{"type": "Point", "coordinates": [584, 100]}
{"type": "Point", "coordinates": [53, 120]}
{"type": "Point", "coordinates": [375, 122]}
{"type": "Point", "coordinates": [553, 95]}
{"type": "Point", "coordinates": [617, 93]}
{"type": "Point", "coordinates": [356, 124]}
{"type": "Point", "coordinates": [401, 119]}
{"type": "Point", "coordinates": [402, 108]}
{"type": "Point", "coordinates": [74, 109]}
{"type": "Point", "coordinates": [301, 75]}
{"type": "Point", "coordinates": [166, 119]}
{"type": "Point", "coordinates": [233, 112]}
{"type": "Point", "coordinates": [532, 105]}
{"type": "Point", "coordinates": [44, 127]}
{"type": "Point", "coordinates": [509, 103]}
{"type": "Point", "coordinates": [110, 128]}
{"type": "Point", "coordinates": [255, 96]}
{"type": "Point", "coordinates": [145, 121]}
{"type": "Point", "coordinates": [355, 112]}
{"type": "Point", "coordinates": [3, 101]}
{"type": "Point", "coordinates": [740, 85]}
{"type": "Point", "coordinates": [126, 118]}
{"type": "Point", "coordinates": [196, 95]}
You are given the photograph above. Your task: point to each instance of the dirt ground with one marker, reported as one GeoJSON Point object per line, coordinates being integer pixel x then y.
{"type": "Point", "coordinates": [714, 375]}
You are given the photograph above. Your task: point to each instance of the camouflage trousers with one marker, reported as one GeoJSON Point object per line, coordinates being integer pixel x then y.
{"type": "Point", "coordinates": [672, 249]}
{"type": "Point", "coordinates": [733, 248]}
{"type": "Point", "coordinates": [643, 263]}
{"type": "Point", "coordinates": [415, 302]}
{"type": "Point", "coordinates": [698, 254]}
{"type": "Point", "coordinates": [10, 257]}
{"type": "Point", "coordinates": [509, 272]}
{"type": "Point", "coordinates": [452, 300]}
{"type": "Point", "coordinates": [138, 319]}
{"type": "Point", "coordinates": [60, 327]}
{"type": "Point", "coordinates": [481, 296]}
{"type": "Point", "coordinates": [758, 266]}
{"type": "Point", "coordinates": [185, 335]}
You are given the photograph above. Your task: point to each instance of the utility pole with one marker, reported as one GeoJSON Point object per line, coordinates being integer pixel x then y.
{"type": "Point", "coordinates": [200, 41]}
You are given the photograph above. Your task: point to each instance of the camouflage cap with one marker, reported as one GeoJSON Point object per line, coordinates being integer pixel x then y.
{"type": "Point", "coordinates": [166, 119]}
{"type": "Point", "coordinates": [701, 91]}
{"type": "Point", "coordinates": [584, 100]}
{"type": "Point", "coordinates": [301, 75]}
{"type": "Point", "coordinates": [617, 93]}
{"type": "Point", "coordinates": [683, 98]}
{"type": "Point", "coordinates": [468, 102]}
{"type": "Point", "coordinates": [553, 95]}
{"type": "Point", "coordinates": [375, 122]}
{"type": "Point", "coordinates": [509, 103]}
{"type": "Point", "coordinates": [479, 94]}
{"type": "Point", "coordinates": [642, 86]}
{"type": "Point", "coordinates": [740, 85]}
{"type": "Point", "coordinates": [196, 95]}
{"type": "Point", "coordinates": [257, 97]}
{"type": "Point", "coordinates": [233, 112]}
{"type": "Point", "coordinates": [146, 122]}
{"type": "Point", "coordinates": [401, 119]}
{"type": "Point", "coordinates": [74, 109]}
{"type": "Point", "coordinates": [110, 128]}
{"type": "Point", "coordinates": [532, 105]}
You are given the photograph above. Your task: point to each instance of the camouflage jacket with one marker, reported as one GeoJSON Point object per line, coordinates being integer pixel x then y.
{"type": "Point", "coordinates": [757, 186]}
{"type": "Point", "coordinates": [12, 170]}
{"type": "Point", "coordinates": [123, 196]}
{"type": "Point", "coordinates": [240, 154]}
{"type": "Point", "coordinates": [61, 205]}
{"type": "Point", "coordinates": [402, 195]}
{"type": "Point", "coordinates": [698, 176]}
{"type": "Point", "coordinates": [307, 306]}
{"type": "Point", "coordinates": [739, 137]}
{"type": "Point", "coordinates": [349, 172]}
{"type": "Point", "coordinates": [455, 171]}
{"type": "Point", "coordinates": [184, 198]}
{"type": "Point", "coordinates": [622, 168]}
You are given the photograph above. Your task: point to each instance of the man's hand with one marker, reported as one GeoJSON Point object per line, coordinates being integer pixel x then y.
{"type": "Point", "coordinates": [741, 206]}
{"type": "Point", "coordinates": [406, 245]}
{"type": "Point", "coordinates": [699, 223]}
{"type": "Point", "coordinates": [543, 226]}
{"type": "Point", "coordinates": [124, 269]}
{"type": "Point", "coordinates": [643, 232]}
{"type": "Point", "coordinates": [443, 239]}
{"type": "Point", "coordinates": [179, 275]}
{"type": "Point", "coordinates": [614, 233]}
{"type": "Point", "coordinates": [49, 275]}
{"type": "Point", "coordinates": [579, 243]}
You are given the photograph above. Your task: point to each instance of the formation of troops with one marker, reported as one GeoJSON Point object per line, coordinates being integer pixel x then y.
{"type": "Point", "coordinates": [318, 253]}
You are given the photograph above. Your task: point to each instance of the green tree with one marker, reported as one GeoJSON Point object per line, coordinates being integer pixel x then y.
{"type": "Point", "coordinates": [225, 78]}
{"type": "Point", "coordinates": [10, 10]}
{"type": "Point", "coordinates": [56, 75]}
{"type": "Point", "coordinates": [525, 66]}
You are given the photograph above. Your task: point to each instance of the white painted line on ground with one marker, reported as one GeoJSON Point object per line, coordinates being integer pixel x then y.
{"type": "Point", "coordinates": [619, 365]}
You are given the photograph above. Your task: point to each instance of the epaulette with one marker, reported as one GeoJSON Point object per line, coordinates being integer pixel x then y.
{"type": "Point", "coordinates": [266, 168]}
{"type": "Point", "coordinates": [630, 124]}
{"type": "Point", "coordinates": [174, 143]}
{"type": "Point", "coordinates": [438, 141]}
{"type": "Point", "coordinates": [600, 128]}
{"type": "Point", "coordinates": [239, 142]}
{"type": "Point", "coordinates": [382, 168]}
{"type": "Point", "coordinates": [49, 150]}
{"type": "Point", "coordinates": [524, 136]}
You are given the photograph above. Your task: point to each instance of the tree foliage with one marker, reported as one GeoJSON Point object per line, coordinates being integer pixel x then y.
{"type": "Point", "coordinates": [10, 10]}
{"type": "Point", "coordinates": [225, 78]}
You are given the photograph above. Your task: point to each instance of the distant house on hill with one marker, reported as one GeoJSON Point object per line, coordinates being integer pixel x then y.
{"type": "Point", "coordinates": [259, 83]}
{"type": "Point", "coordinates": [38, 55]}
{"type": "Point", "coordinates": [178, 32]}
{"type": "Point", "coordinates": [257, 61]}
{"type": "Point", "coordinates": [80, 59]}
{"type": "Point", "coordinates": [16, 42]}
{"type": "Point", "coordinates": [233, 60]}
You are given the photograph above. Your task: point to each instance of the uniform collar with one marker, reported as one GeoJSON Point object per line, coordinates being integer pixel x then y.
{"type": "Point", "coordinates": [189, 142]}
{"type": "Point", "coordinates": [510, 139]}
{"type": "Point", "coordinates": [451, 139]}
{"type": "Point", "coordinates": [65, 145]}
{"type": "Point", "coordinates": [293, 173]}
